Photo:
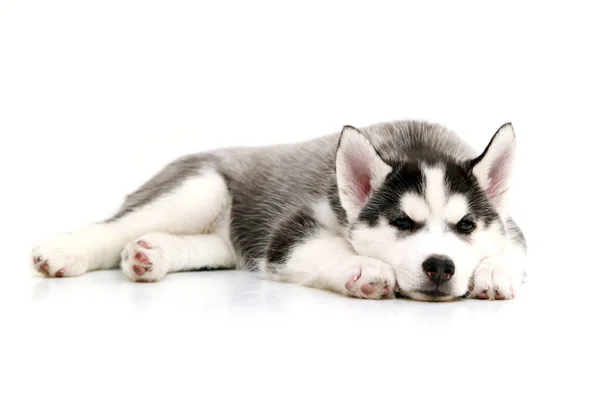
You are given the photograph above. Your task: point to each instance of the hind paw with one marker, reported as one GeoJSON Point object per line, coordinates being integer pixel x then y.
{"type": "Point", "coordinates": [143, 260]}
{"type": "Point", "coordinates": [61, 256]}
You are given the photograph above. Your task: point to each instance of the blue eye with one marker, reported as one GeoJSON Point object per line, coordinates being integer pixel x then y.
{"type": "Point", "coordinates": [404, 224]}
{"type": "Point", "coordinates": [465, 226]}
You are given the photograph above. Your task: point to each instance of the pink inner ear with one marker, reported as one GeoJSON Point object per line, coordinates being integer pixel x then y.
{"type": "Point", "coordinates": [360, 178]}
{"type": "Point", "coordinates": [497, 175]}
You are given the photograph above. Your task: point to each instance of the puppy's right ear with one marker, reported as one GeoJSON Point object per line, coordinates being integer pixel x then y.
{"type": "Point", "coordinates": [359, 171]}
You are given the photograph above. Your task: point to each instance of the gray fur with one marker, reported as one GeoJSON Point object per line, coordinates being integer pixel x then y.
{"type": "Point", "coordinates": [269, 183]}
{"type": "Point", "coordinates": [515, 233]}
{"type": "Point", "coordinates": [168, 179]}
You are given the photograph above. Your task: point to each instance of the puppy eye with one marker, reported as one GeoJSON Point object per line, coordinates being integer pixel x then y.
{"type": "Point", "coordinates": [465, 226]}
{"type": "Point", "coordinates": [404, 223]}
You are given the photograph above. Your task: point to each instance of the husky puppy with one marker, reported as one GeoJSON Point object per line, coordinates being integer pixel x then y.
{"type": "Point", "coordinates": [401, 208]}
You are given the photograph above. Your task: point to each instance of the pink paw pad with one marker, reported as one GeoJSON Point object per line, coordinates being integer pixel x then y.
{"type": "Point", "coordinates": [141, 257]}
{"type": "Point", "coordinates": [367, 288]}
{"type": "Point", "coordinates": [139, 270]}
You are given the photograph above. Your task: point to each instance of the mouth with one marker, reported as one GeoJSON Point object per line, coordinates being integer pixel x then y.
{"type": "Point", "coordinates": [430, 295]}
{"type": "Point", "coordinates": [434, 293]}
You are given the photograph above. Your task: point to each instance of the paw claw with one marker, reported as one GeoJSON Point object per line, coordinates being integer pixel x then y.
{"type": "Point", "coordinates": [144, 244]}
{"type": "Point", "coordinates": [350, 284]}
{"type": "Point", "coordinates": [60, 273]}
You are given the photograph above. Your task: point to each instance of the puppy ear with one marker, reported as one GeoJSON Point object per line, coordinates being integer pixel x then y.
{"type": "Point", "coordinates": [493, 168]}
{"type": "Point", "coordinates": [359, 170]}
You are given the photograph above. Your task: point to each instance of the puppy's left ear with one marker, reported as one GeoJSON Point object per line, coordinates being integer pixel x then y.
{"type": "Point", "coordinates": [493, 168]}
{"type": "Point", "coordinates": [359, 171]}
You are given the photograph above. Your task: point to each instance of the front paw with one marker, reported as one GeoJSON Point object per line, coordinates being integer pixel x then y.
{"type": "Point", "coordinates": [370, 279]}
{"type": "Point", "coordinates": [496, 279]}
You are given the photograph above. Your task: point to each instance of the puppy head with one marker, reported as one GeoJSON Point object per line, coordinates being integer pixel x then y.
{"type": "Point", "coordinates": [432, 221]}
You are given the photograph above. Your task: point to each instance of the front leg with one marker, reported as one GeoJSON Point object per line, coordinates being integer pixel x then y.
{"type": "Point", "coordinates": [303, 251]}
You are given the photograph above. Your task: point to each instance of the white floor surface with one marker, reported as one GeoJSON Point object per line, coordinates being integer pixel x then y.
{"type": "Point", "coordinates": [229, 333]}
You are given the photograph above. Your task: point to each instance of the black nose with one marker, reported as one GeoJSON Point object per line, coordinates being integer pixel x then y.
{"type": "Point", "coordinates": [438, 268]}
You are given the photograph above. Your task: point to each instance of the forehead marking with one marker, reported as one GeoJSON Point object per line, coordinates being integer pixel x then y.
{"type": "Point", "coordinates": [435, 189]}
{"type": "Point", "coordinates": [456, 208]}
{"type": "Point", "coordinates": [415, 207]}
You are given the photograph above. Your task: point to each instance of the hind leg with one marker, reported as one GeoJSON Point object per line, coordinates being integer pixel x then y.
{"type": "Point", "coordinates": [193, 206]}
{"type": "Point", "coordinates": [151, 256]}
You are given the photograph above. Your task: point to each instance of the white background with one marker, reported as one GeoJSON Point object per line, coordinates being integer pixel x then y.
{"type": "Point", "coordinates": [95, 96]}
